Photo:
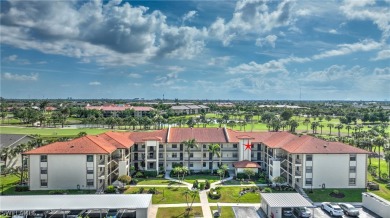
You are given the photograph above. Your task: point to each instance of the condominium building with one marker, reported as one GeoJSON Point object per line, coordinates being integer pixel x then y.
{"type": "Point", "coordinates": [96, 161]}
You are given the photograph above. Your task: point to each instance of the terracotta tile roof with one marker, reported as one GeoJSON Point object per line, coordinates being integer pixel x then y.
{"type": "Point", "coordinates": [137, 137]}
{"type": "Point", "coordinates": [152, 138]}
{"type": "Point", "coordinates": [118, 108]}
{"type": "Point", "coordinates": [311, 145]}
{"type": "Point", "coordinates": [83, 145]}
{"type": "Point", "coordinates": [202, 135]}
{"type": "Point", "coordinates": [246, 164]}
{"type": "Point", "coordinates": [279, 139]}
{"type": "Point", "coordinates": [256, 137]}
{"type": "Point", "coordinates": [117, 139]}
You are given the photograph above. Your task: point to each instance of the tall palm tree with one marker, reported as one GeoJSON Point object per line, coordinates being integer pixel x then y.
{"type": "Point", "coordinates": [5, 152]}
{"type": "Point", "coordinates": [293, 125]}
{"type": "Point", "coordinates": [339, 127]}
{"type": "Point", "coordinates": [348, 127]}
{"type": "Point", "coordinates": [321, 126]}
{"type": "Point", "coordinates": [330, 125]}
{"type": "Point", "coordinates": [190, 143]}
{"type": "Point", "coordinates": [214, 149]}
{"type": "Point", "coordinates": [307, 122]}
{"type": "Point", "coordinates": [380, 142]}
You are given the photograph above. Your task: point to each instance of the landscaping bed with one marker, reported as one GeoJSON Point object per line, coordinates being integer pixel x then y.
{"type": "Point", "coordinates": [236, 195]}
{"type": "Point", "coordinates": [156, 181]}
{"type": "Point", "coordinates": [164, 195]}
{"type": "Point", "coordinates": [331, 195]}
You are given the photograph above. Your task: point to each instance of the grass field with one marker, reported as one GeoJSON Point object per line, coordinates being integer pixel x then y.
{"type": "Point", "coordinates": [169, 195]}
{"type": "Point", "coordinates": [351, 195]}
{"type": "Point", "coordinates": [192, 178]}
{"type": "Point", "coordinates": [226, 212]}
{"type": "Point", "coordinates": [231, 195]}
{"type": "Point", "coordinates": [152, 181]}
{"type": "Point", "coordinates": [178, 212]}
{"type": "Point", "coordinates": [53, 132]}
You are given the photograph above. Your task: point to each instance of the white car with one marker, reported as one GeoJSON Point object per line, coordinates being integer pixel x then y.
{"type": "Point", "coordinates": [349, 209]}
{"type": "Point", "coordinates": [332, 208]}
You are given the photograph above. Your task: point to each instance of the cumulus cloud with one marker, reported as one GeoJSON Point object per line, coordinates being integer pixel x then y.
{"type": "Point", "coordinates": [368, 10]}
{"type": "Point", "coordinates": [189, 16]}
{"type": "Point", "coordinates": [382, 55]}
{"type": "Point", "coordinates": [135, 75]}
{"type": "Point", "coordinates": [108, 33]}
{"type": "Point", "coordinates": [94, 83]}
{"type": "Point", "coordinates": [12, 58]}
{"type": "Point", "coordinates": [219, 61]}
{"type": "Point", "coordinates": [252, 16]}
{"type": "Point", "coordinates": [20, 77]}
{"type": "Point", "coordinates": [270, 40]}
{"type": "Point", "coordinates": [175, 69]}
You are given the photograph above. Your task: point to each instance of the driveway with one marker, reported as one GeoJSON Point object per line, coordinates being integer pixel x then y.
{"type": "Point", "coordinates": [319, 213]}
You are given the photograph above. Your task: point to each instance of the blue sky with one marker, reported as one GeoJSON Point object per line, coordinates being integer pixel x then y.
{"type": "Point", "coordinates": [327, 50]}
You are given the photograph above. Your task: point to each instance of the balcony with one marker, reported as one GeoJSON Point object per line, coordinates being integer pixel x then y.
{"type": "Point", "coordinates": [298, 161]}
{"type": "Point", "coordinates": [298, 173]}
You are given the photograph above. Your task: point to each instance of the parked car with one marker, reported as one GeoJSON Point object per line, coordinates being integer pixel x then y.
{"type": "Point", "coordinates": [332, 208]}
{"type": "Point", "coordinates": [349, 209]}
{"type": "Point", "coordinates": [302, 212]}
{"type": "Point", "coordinates": [287, 212]}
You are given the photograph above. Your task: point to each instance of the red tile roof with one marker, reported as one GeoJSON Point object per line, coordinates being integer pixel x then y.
{"type": "Point", "coordinates": [119, 140]}
{"type": "Point", "coordinates": [118, 108]}
{"type": "Point", "coordinates": [246, 164]}
{"type": "Point", "coordinates": [138, 137]}
{"type": "Point", "coordinates": [202, 135]}
{"type": "Point", "coordinates": [279, 139]}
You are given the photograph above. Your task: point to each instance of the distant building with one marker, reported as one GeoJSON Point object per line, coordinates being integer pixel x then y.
{"type": "Point", "coordinates": [11, 141]}
{"type": "Point", "coordinates": [113, 110]}
{"type": "Point", "coordinates": [189, 109]}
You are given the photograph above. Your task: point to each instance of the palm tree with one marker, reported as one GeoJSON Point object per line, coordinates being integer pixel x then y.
{"type": "Point", "coordinates": [214, 149]}
{"type": "Point", "coordinates": [339, 127]}
{"type": "Point", "coordinates": [222, 171]}
{"type": "Point", "coordinates": [387, 159]}
{"type": "Point", "coordinates": [321, 126]}
{"type": "Point", "coordinates": [190, 143]}
{"type": "Point", "coordinates": [348, 127]}
{"type": "Point", "coordinates": [306, 122]}
{"type": "Point", "coordinates": [380, 142]}
{"type": "Point", "coordinates": [330, 125]}
{"type": "Point", "coordinates": [314, 126]}
{"type": "Point", "coordinates": [293, 125]}
{"type": "Point", "coordinates": [190, 194]}
{"type": "Point", "coordinates": [5, 152]}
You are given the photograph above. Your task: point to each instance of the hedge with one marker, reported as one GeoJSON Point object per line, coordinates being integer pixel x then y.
{"type": "Point", "coordinates": [215, 195]}
{"type": "Point", "coordinates": [22, 188]}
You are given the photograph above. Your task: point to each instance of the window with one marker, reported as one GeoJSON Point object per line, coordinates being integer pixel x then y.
{"type": "Point", "coordinates": [101, 157]}
{"type": "Point", "coordinates": [160, 155]}
{"type": "Point", "coordinates": [204, 146]}
{"type": "Point", "coordinates": [204, 154]}
{"type": "Point", "coordinates": [271, 171]}
{"type": "Point", "coordinates": [142, 146]}
{"type": "Point", "coordinates": [89, 171]}
{"type": "Point", "coordinates": [309, 181]}
{"type": "Point", "coordinates": [151, 165]}
{"type": "Point", "coordinates": [234, 145]}
{"type": "Point", "coordinates": [235, 154]}
{"type": "Point", "coordinates": [174, 146]}
{"type": "Point", "coordinates": [204, 164]}
{"type": "Point", "coordinates": [174, 155]}
{"type": "Point", "coordinates": [309, 169]}
{"type": "Point", "coordinates": [151, 156]}
{"type": "Point", "coordinates": [221, 146]}
{"type": "Point", "coordinates": [352, 169]}
{"type": "Point", "coordinates": [191, 155]}
{"type": "Point", "coordinates": [191, 165]}
{"type": "Point", "coordinates": [352, 181]}
{"type": "Point", "coordinates": [352, 157]}
{"type": "Point", "coordinates": [160, 146]}
{"type": "Point", "coordinates": [89, 158]}
{"type": "Point", "coordinates": [44, 182]}
{"type": "Point", "coordinates": [309, 157]}
{"type": "Point", "coordinates": [43, 170]}
{"type": "Point", "coordinates": [89, 182]}
{"type": "Point", "coordinates": [43, 158]}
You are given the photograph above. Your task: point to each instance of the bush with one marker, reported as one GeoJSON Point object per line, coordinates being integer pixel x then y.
{"type": "Point", "coordinates": [195, 184]}
{"type": "Point", "coordinates": [214, 194]}
{"type": "Point", "coordinates": [150, 173]}
{"type": "Point", "coordinates": [152, 191]}
{"type": "Point", "coordinates": [110, 189]}
{"type": "Point", "coordinates": [160, 176]}
{"type": "Point", "coordinates": [201, 186]}
{"type": "Point", "coordinates": [267, 190]}
{"type": "Point", "coordinates": [58, 192]}
{"type": "Point", "coordinates": [22, 188]}
{"type": "Point", "coordinates": [139, 174]}
{"type": "Point", "coordinates": [141, 190]}
{"type": "Point", "coordinates": [336, 192]}
{"type": "Point", "coordinates": [207, 184]}
{"type": "Point", "coordinates": [134, 181]}
{"type": "Point", "coordinates": [125, 179]}
{"type": "Point", "coordinates": [241, 176]}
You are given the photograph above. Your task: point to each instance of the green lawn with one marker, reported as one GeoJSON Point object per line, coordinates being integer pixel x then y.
{"type": "Point", "coordinates": [383, 191]}
{"type": "Point", "coordinates": [192, 178]}
{"type": "Point", "coordinates": [153, 181]}
{"type": "Point", "coordinates": [231, 195]}
{"type": "Point", "coordinates": [351, 195]}
{"type": "Point", "coordinates": [236, 182]}
{"type": "Point", "coordinates": [226, 212]}
{"type": "Point", "coordinates": [7, 183]}
{"type": "Point", "coordinates": [177, 212]}
{"type": "Point", "coordinates": [49, 131]}
{"type": "Point", "coordinates": [168, 195]}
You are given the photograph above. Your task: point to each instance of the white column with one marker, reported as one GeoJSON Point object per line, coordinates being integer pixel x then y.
{"type": "Point", "coordinates": [146, 156]}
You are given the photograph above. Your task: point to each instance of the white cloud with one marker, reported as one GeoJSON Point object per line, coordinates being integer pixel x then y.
{"type": "Point", "coordinates": [20, 77]}
{"type": "Point", "coordinates": [219, 61]}
{"type": "Point", "coordinates": [382, 55]}
{"type": "Point", "coordinates": [368, 10]}
{"type": "Point", "coordinates": [333, 31]}
{"type": "Point", "coordinates": [270, 39]}
{"type": "Point", "coordinates": [189, 16]}
{"type": "Point", "coordinates": [94, 83]}
{"type": "Point", "coordinates": [12, 58]}
{"type": "Point", "coordinates": [252, 16]}
{"type": "Point", "coordinates": [175, 69]}
{"type": "Point", "coordinates": [344, 49]}
{"type": "Point", "coordinates": [135, 75]}
{"type": "Point", "coordinates": [113, 33]}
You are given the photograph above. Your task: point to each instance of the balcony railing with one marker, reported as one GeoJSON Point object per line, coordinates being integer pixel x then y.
{"type": "Point", "coordinates": [298, 161]}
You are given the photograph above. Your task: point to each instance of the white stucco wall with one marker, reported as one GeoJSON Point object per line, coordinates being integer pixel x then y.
{"type": "Point", "coordinates": [64, 172]}
{"type": "Point", "coordinates": [376, 204]}
{"type": "Point", "coordinates": [333, 171]}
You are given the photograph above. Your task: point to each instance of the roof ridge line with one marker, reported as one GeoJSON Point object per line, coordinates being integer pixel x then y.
{"type": "Point", "coordinates": [113, 137]}
{"type": "Point", "coordinates": [88, 136]}
{"type": "Point", "coordinates": [226, 134]}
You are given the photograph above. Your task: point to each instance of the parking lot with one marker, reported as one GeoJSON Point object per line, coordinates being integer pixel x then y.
{"type": "Point", "coordinates": [319, 213]}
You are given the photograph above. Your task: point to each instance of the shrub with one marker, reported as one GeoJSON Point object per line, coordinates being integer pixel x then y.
{"type": "Point", "coordinates": [57, 192]}
{"type": "Point", "coordinates": [110, 189]}
{"type": "Point", "coordinates": [336, 191]}
{"type": "Point", "coordinates": [160, 176]}
{"type": "Point", "coordinates": [150, 173]}
{"type": "Point", "coordinates": [125, 179]}
{"type": "Point", "coordinates": [22, 188]}
{"type": "Point", "coordinates": [241, 176]}
{"type": "Point", "coordinates": [207, 184]}
{"type": "Point", "coordinates": [267, 190]}
{"type": "Point", "coordinates": [141, 190]}
{"type": "Point", "coordinates": [139, 174]}
{"type": "Point", "coordinates": [134, 181]}
{"type": "Point", "coordinates": [195, 184]}
{"type": "Point", "coordinates": [214, 194]}
{"type": "Point", "coordinates": [152, 191]}
{"type": "Point", "coordinates": [201, 186]}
